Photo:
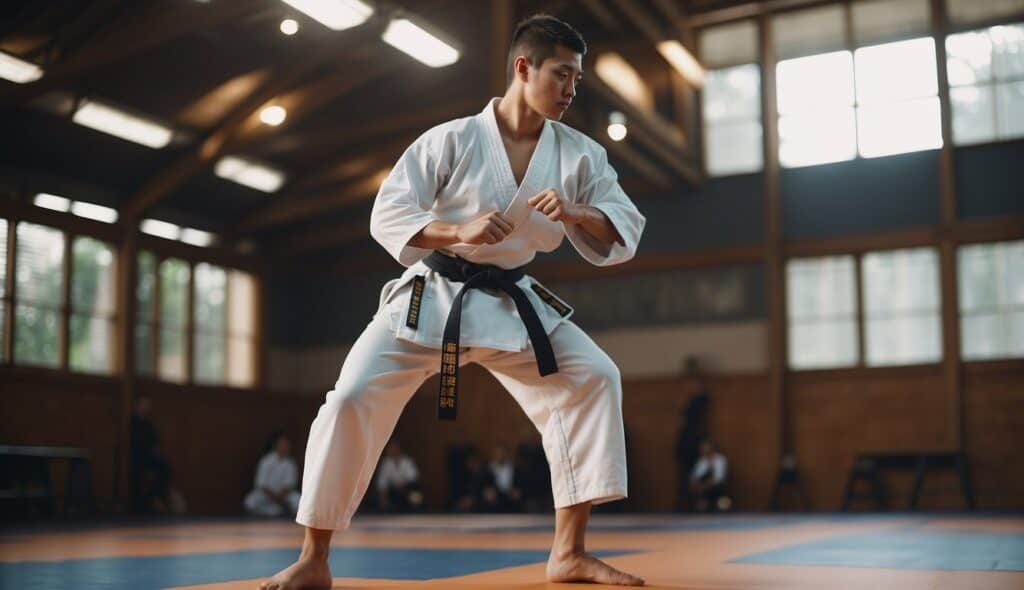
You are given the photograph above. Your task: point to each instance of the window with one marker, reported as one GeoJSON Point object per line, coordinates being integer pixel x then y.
{"type": "Point", "coordinates": [972, 11]}
{"type": "Point", "coordinates": [241, 333]}
{"type": "Point", "coordinates": [732, 120]}
{"type": "Point", "coordinates": [902, 317]}
{"type": "Point", "coordinates": [815, 104]}
{"type": "Point", "coordinates": [731, 100]}
{"type": "Point", "coordinates": [173, 355]}
{"type": "Point", "coordinates": [92, 323]}
{"type": "Point", "coordinates": [39, 294]}
{"type": "Point", "coordinates": [822, 310]}
{"type": "Point", "coordinates": [145, 315]}
{"type": "Point", "coordinates": [897, 98]}
{"type": "Point", "coordinates": [986, 78]}
{"type": "Point", "coordinates": [210, 323]}
{"type": "Point", "coordinates": [991, 288]}
{"type": "Point", "coordinates": [5, 299]}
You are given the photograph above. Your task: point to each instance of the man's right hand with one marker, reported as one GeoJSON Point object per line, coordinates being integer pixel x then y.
{"type": "Point", "coordinates": [487, 229]}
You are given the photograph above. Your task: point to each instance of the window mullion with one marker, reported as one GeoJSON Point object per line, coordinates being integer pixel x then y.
{"type": "Point", "coordinates": [64, 336]}
{"type": "Point", "coordinates": [8, 335]}
{"type": "Point", "coordinates": [858, 281]}
{"type": "Point", "coordinates": [188, 345]}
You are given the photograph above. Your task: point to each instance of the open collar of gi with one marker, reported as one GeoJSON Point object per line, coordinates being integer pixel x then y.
{"type": "Point", "coordinates": [536, 170]}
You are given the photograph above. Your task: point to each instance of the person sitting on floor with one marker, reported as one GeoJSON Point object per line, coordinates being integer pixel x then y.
{"type": "Point", "coordinates": [277, 478]}
{"type": "Point", "coordinates": [707, 481]}
{"type": "Point", "coordinates": [398, 481]}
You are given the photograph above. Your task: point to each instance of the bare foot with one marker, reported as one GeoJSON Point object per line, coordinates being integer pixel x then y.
{"type": "Point", "coordinates": [304, 574]}
{"type": "Point", "coordinates": [583, 567]}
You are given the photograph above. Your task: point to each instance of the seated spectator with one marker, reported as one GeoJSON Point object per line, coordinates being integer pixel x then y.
{"type": "Point", "coordinates": [151, 473]}
{"type": "Point", "coordinates": [479, 493]}
{"type": "Point", "coordinates": [508, 495]}
{"type": "Point", "coordinates": [398, 481]}
{"type": "Point", "coordinates": [534, 476]}
{"type": "Point", "coordinates": [276, 486]}
{"type": "Point", "coordinates": [707, 481]}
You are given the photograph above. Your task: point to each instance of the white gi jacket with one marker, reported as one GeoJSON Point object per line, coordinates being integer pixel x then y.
{"type": "Point", "coordinates": [460, 170]}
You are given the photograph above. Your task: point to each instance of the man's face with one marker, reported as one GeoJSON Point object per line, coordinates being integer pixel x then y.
{"type": "Point", "coordinates": [283, 446]}
{"type": "Point", "coordinates": [550, 88]}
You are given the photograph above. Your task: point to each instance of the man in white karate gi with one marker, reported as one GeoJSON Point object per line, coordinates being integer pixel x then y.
{"type": "Point", "coordinates": [277, 477]}
{"type": "Point", "coordinates": [466, 207]}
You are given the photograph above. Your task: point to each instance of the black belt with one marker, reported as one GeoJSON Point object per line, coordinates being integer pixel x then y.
{"type": "Point", "coordinates": [477, 276]}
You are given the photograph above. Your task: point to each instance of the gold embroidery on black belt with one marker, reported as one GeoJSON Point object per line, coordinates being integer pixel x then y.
{"type": "Point", "coordinates": [412, 319]}
{"type": "Point", "coordinates": [446, 401]}
{"type": "Point", "coordinates": [555, 303]}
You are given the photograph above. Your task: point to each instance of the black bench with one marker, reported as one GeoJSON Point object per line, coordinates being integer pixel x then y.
{"type": "Point", "coordinates": [26, 484]}
{"type": "Point", "coordinates": [869, 465]}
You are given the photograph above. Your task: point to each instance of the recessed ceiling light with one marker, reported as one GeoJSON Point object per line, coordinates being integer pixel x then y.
{"type": "Point", "coordinates": [108, 119]}
{"type": "Point", "coordinates": [249, 173]}
{"type": "Point", "coordinates": [409, 37]}
{"type": "Point", "coordinates": [289, 26]}
{"type": "Point", "coordinates": [18, 70]}
{"type": "Point", "coordinates": [334, 14]}
{"type": "Point", "coordinates": [273, 115]}
{"type": "Point", "coordinates": [617, 126]}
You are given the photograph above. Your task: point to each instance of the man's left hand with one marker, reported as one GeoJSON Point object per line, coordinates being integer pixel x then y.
{"type": "Point", "coordinates": [557, 207]}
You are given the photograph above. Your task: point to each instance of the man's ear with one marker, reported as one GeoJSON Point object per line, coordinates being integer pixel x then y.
{"type": "Point", "coordinates": [521, 67]}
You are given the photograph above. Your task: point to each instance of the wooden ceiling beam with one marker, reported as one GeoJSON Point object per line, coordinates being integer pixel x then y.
{"type": "Point", "coordinates": [339, 138]}
{"type": "Point", "coordinates": [649, 130]}
{"type": "Point", "coordinates": [212, 146]}
{"type": "Point", "coordinates": [134, 35]}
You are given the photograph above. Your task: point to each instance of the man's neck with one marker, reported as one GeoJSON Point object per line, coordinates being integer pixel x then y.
{"type": "Point", "coordinates": [516, 120]}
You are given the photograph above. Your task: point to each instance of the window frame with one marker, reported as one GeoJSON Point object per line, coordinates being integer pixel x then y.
{"type": "Point", "coordinates": [114, 235]}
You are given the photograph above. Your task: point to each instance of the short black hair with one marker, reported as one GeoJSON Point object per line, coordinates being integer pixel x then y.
{"type": "Point", "coordinates": [536, 38]}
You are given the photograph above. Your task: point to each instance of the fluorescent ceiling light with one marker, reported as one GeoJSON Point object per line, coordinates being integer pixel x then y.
{"type": "Point", "coordinates": [48, 201]}
{"type": "Point", "coordinates": [196, 237]}
{"type": "Point", "coordinates": [161, 229]}
{"type": "Point", "coordinates": [409, 37]}
{"type": "Point", "coordinates": [334, 14]}
{"type": "Point", "coordinates": [18, 70]}
{"type": "Point", "coordinates": [110, 120]}
{"type": "Point", "coordinates": [683, 61]}
{"type": "Point", "coordinates": [617, 73]}
{"type": "Point", "coordinates": [249, 173]}
{"type": "Point", "coordinates": [96, 212]}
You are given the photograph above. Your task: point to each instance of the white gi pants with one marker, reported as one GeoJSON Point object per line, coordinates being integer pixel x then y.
{"type": "Point", "coordinates": [578, 412]}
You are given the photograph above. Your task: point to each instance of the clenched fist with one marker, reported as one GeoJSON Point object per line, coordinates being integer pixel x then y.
{"type": "Point", "coordinates": [488, 229]}
{"type": "Point", "coordinates": [556, 207]}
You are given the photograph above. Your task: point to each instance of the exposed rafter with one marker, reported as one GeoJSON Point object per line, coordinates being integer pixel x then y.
{"type": "Point", "coordinates": [284, 79]}
{"type": "Point", "coordinates": [136, 34]}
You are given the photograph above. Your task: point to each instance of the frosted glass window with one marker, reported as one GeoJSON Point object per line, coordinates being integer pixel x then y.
{"type": "Point", "coordinates": [174, 283]}
{"type": "Point", "coordinates": [242, 317]}
{"type": "Point", "coordinates": [902, 321]}
{"type": "Point", "coordinates": [729, 45]}
{"type": "Point", "coordinates": [732, 120]}
{"type": "Point", "coordinates": [145, 297]}
{"type": "Point", "coordinates": [880, 20]}
{"type": "Point", "coordinates": [815, 100]}
{"type": "Point", "coordinates": [93, 292]}
{"type": "Point", "coordinates": [821, 306]}
{"type": "Point", "coordinates": [3, 287]}
{"type": "Point", "coordinates": [807, 32]}
{"type": "Point", "coordinates": [968, 11]}
{"type": "Point", "coordinates": [898, 128]}
{"type": "Point", "coordinates": [210, 324]}
{"type": "Point", "coordinates": [986, 75]}
{"type": "Point", "coordinates": [991, 294]}
{"type": "Point", "coordinates": [39, 289]}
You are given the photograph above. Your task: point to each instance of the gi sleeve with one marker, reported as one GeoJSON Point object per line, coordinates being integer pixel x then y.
{"type": "Point", "coordinates": [601, 190]}
{"type": "Point", "coordinates": [402, 206]}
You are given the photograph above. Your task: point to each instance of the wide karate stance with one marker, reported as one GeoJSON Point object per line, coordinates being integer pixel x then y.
{"type": "Point", "coordinates": [467, 206]}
